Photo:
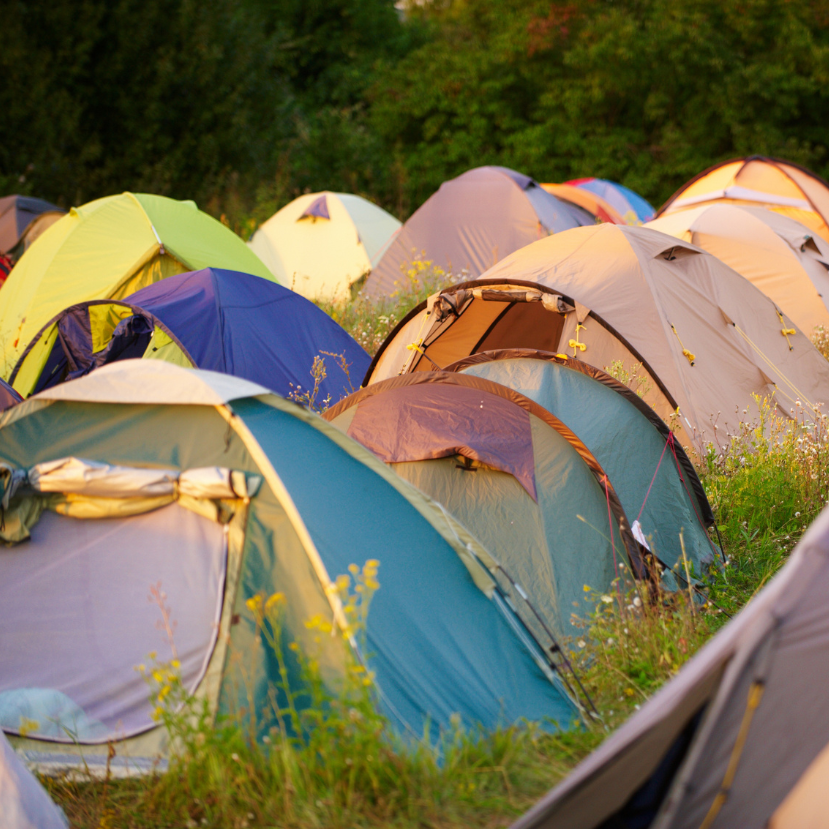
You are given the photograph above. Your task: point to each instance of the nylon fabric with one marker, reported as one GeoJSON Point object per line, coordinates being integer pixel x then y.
{"type": "Point", "coordinates": [624, 442]}
{"type": "Point", "coordinates": [433, 620]}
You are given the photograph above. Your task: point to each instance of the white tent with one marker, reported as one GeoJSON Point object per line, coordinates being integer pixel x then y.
{"type": "Point", "coordinates": [24, 803]}
{"type": "Point", "coordinates": [322, 243]}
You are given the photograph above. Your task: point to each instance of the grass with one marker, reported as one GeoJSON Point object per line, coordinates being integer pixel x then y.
{"type": "Point", "coordinates": [766, 483]}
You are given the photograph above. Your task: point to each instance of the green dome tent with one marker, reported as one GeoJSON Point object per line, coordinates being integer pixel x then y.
{"type": "Point", "coordinates": [653, 477]}
{"type": "Point", "coordinates": [143, 473]}
{"type": "Point", "coordinates": [109, 249]}
{"type": "Point", "coordinates": [515, 476]}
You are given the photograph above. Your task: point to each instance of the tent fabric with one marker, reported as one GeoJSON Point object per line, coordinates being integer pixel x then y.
{"type": "Point", "coordinates": [785, 259]}
{"type": "Point", "coordinates": [23, 801]}
{"type": "Point", "coordinates": [761, 181]}
{"type": "Point", "coordinates": [111, 248]}
{"type": "Point", "coordinates": [472, 222]}
{"type": "Point", "coordinates": [220, 320]}
{"type": "Point", "coordinates": [146, 382]}
{"type": "Point", "coordinates": [602, 210]}
{"type": "Point", "coordinates": [323, 243]}
{"type": "Point", "coordinates": [69, 658]}
{"type": "Point", "coordinates": [8, 396]}
{"type": "Point", "coordinates": [440, 641]}
{"type": "Point", "coordinates": [535, 498]}
{"type": "Point", "coordinates": [18, 213]}
{"type": "Point", "coordinates": [657, 486]}
{"type": "Point", "coordinates": [700, 337]}
{"type": "Point", "coordinates": [630, 205]}
{"type": "Point", "coordinates": [752, 698]}
{"type": "Point", "coordinates": [409, 424]}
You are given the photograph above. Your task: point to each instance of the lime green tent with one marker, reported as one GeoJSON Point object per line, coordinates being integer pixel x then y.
{"type": "Point", "coordinates": [206, 486]}
{"type": "Point", "coordinates": [109, 249]}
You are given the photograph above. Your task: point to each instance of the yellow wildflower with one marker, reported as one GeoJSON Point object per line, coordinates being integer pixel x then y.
{"type": "Point", "coordinates": [254, 603]}
{"type": "Point", "coordinates": [353, 569]}
{"type": "Point", "coordinates": [372, 563]}
{"type": "Point", "coordinates": [273, 600]}
{"type": "Point", "coordinates": [176, 664]}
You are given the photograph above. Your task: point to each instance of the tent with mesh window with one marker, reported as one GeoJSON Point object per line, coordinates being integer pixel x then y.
{"type": "Point", "coordinates": [472, 222]}
{"type": "Point", "coordinates": [109, 249]}
{"type": "Point", "coordinates": [702, 342]}
{"type": "Point", "coordinates": [655, 481]}
{"type": "Point", "coordinates": [515, 476]}
{"type": "Point", "coordinates": [213, 319]}
{"type": "Point", "coordinates": [323, 245]}
{"type": "Point", "coordinates": [201, 490]}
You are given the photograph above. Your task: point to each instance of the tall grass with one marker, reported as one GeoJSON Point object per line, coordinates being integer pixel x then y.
{"type": "Point", "coordinates": [766, 484]}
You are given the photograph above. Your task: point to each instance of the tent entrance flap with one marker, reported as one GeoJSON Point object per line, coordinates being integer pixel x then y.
{"type": "Point", "coordinates": [69, 664]}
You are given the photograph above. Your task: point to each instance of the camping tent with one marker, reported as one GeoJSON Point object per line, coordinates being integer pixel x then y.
{"type": "Point", "coordinates": [514, 475]}
{"type": "Point", "coordinates": [781, 186]}
{"type": "Point", "coordinates": [109, 249]}
{"type": "Point", "coordinates": [629, 204]}
{"type": "Point", "coordinates": [600, 209]}
{"type": "Point", "coordinates": [655, 481]}
{"type": "Point", "coordinates": [630, 300]}
{"type": "Point", "coordinates": [8, 396]}
{"type": "Point", "coordinates": [321, 244]}
{"type": "Point", "coordinates": [24, 803]}
{"type": "Point", "coordinates": [740, 737]}
{"type": "Point", "coordinates": [472, 222]}
{"type": "Point", "coordinates": [219, 320]}
{"type": "Point", "coordinates": [147, 475]}
{"type": "Point", "coordinates": [23, 219]}
{"type": "Point", "coordinates": [786, 260]}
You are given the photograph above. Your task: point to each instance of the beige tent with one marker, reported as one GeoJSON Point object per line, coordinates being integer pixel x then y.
{"type": "Point", "coordinates": [781, 186]}
{"type": "Point", "coordinates": [786, 260]}
{"type": "Point", "coordinates": [740, 738]}
{"type": "Point", "coordinates": [704, 339]}
{"type": "Point", "coordinates": [323, 243]}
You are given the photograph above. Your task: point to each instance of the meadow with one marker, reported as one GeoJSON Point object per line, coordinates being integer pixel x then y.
{"type": "Point", "coordinates": [330, 761]}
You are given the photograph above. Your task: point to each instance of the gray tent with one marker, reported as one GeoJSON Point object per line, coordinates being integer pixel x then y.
{"type": "Point", "coordinates": [23, 802]}
{"type": "Point", "coordinates": [24, 218]}
{"type": "Point", "coordinates": [740, 738]}
{"type": "Point", "coordinates": [472, 222]}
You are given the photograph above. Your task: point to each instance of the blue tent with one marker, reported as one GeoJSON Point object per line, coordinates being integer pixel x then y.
{"type": "Point", "coordinates": [212, 319]}
{"type": "Point", "coordinates": [8, 396]}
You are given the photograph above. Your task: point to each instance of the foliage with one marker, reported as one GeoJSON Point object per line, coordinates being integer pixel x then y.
{"type": "Point", "coordinates": [647, 92]}
{"type": "Point", "coordinates": [820, 339]}
{"type": "Point", "coordinates": [370, 321]}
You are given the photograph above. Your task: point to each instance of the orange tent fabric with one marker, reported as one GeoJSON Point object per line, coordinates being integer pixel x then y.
{"type": "Point", "coordinates": [596, 205]}
{"type": "Point", "coordinates": [758, 180]}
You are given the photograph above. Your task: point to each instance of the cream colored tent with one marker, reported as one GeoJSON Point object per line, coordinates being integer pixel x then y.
{"type": "Point", "coordinates": [322, 243]}
{"type": "Point", "coordinates": [704, 339]}
{"type": "Point", "coordinates": [781, 186]}
{"type": "Point", "coordinates": [786, 260]}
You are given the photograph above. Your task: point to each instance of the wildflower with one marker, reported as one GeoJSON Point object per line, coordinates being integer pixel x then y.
{"type": "Point", "coordinates": [606, 599]}
{"type": "Point", "coordinates": [353, 569]}
{"type": "Point", "coordinates": [637, 602]}
{"type": "Point", "coordinates": [797, 515]}
{"type": "Point", "coordinates": [235, 757]}
{"type": "Point", "coordinates": [254, 603]}
{"type": "Point", "coordinates": [293, 646]}
{"type": "Point", "coordinates": [586, 588]}
{"type": "Point", "coordinates": [372, 564]}
{"type": "Point", "coordinates": [610, 641]}
{"type": "Point", "coordinates": [273, 600]}
{"type": "Point", "coordinates": [629, 692]}
{"type": "Point", "coordinates": [581, 643]}
{"type": "Point", "coordinates": [343, 582]}
{"type": "Point", "coordinates": [175, 664]}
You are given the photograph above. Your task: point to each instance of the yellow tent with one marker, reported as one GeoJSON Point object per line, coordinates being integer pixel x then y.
{"type": "Point", "coordinates": [783, 258]}
{"type": "Point", "coordinates": [108, 249]}
{"type": "Point", "coordinates": [779, 185]}
{"type": "Point", "coordinates": [322, 243]}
